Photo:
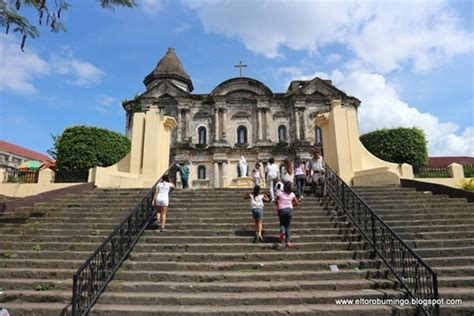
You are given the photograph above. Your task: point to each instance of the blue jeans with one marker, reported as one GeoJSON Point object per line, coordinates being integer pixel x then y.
{"type": "Point", "coordinates": [285, 215]}
{"type": "Point", "coordinates": [299, 184]}
{"type": "Point", "coordinates": [257, 213]}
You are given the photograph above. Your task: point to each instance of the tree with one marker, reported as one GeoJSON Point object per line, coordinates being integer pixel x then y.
{"type": "Point", "coordinates": [47, 13]}
{"type": "Point", "coordinates": [399, 145]}
{"type": "Point", "coordinates": [84, 147]}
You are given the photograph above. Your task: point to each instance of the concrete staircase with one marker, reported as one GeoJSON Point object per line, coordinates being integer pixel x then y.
{"type": "Point", "coordinates": [440, 230]}
{"type": "Point", "coordinates": [41, 247]}
{"type": "Point", "coordinates": [206, 263]}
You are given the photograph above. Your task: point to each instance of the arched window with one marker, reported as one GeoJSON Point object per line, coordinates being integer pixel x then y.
{"type": "Point", "coordinates": [282, 133]}
{"type": "Point", "coordinates": [242, 135]}
{"type": "Point", "coordinates": [201, 172]}
{"type": "Point", "coordinates": [318, 136]}
{"type": "Point", "coordinates": [202, 135]}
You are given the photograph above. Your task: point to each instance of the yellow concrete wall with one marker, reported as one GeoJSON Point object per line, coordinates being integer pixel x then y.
{"type": "Point", "coordinates": [344, 152]}
{"type": "Point", "coordinates": [27, 189]}
{"type": "Point", "coordinates": [148, 158]}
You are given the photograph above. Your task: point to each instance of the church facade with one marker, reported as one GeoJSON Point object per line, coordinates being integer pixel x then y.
{"type": "Point", "coordinates": [240, 116]}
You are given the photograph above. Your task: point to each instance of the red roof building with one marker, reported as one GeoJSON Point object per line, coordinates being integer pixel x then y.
{"type": "Point", "coordinates": [446, 161]}
{"type": "Point", "coordinates": [13, 155]}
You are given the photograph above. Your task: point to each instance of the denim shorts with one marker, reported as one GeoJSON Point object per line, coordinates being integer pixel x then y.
{"type": "Point", "coordinates": [257, 213]}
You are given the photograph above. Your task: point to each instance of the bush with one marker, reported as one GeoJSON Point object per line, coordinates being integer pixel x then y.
{"type": "Point", "coordinates": [84, 147]}
{"type": "Point", "coordinates": [466, 185]}
{"type": "Point", "coordinates": [399, 145]}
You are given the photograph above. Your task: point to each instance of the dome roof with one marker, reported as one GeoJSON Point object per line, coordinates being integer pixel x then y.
{"type": "Point", "coordinates": [169, 67]}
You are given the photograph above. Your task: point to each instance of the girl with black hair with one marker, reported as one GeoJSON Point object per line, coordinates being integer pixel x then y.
{"type": "Point", "coordinates": [256, 206]}
{"type": "Point", "coordinates": [161, 200]}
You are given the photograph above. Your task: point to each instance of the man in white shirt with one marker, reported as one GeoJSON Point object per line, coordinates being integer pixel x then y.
{"type": "Point", "coordinates": [272, 174]}
{"type": "Point", "coordinates": [317, 167]}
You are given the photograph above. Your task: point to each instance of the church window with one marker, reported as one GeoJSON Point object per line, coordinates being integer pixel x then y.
{"type": "Point", "coordinates": [282, 133]}
{"type": "Point", "coordinates": [318, 137]}
{"type": "Point", "coordinates": [202, 135]}
{"type": "Point", "coordinates": [242, 135]}
{"type": "Point", "coordinates": [201, 172]}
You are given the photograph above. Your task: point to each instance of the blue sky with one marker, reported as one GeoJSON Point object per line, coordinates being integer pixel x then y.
{"type": "Point", "coordinates": [411, 63]}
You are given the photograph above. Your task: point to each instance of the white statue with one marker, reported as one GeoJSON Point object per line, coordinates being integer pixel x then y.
{"type": "Point", "coordinates": [243, 166]}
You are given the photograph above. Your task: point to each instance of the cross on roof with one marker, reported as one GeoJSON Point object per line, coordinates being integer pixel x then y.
{"type": "Point", "coordinates": [240, 66]}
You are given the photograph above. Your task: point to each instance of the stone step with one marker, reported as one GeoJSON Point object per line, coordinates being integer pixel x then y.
{"type": "Point", "coordinates": [448, 261]}
{"type": "Point", "coordinates": [283, 254]}
{"type": "Point", "coordinates": [456, 281]}
{"type": "Point", "coordinates": [200, 276]}
{"type": "Point", "coordinates": [197, 232]}
{"type": "Point", "coordinates": [244, 267]}
{"type": "Point", "coordinates": [455, 270]}
{"type": "Point", "coordinates": [465, 293]}
{"type": "Point", "coordinates": [156, 237]}
{"type": "Point", "coordinates": [244, 216]}
{"type": "Point", "coordinates": [175, 287]}
{"type": "Point", "coordinates": [250, 267]}
{"type": "Point", "coordinates": [48, 309]}
{"type": "Point", "coordinates": [445, 252]}
{"type": "Point", "coordinates": [415, 216]}
{"type": "Point", "coordinates": [243, 298]}
{"type": "Point", "coordinates": [250, 275]}
{"type": "Point", "coordinates": [250, 247]}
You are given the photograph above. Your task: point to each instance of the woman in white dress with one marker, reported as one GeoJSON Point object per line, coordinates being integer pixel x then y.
{"type": "Point", "coordinates": [161, 200]}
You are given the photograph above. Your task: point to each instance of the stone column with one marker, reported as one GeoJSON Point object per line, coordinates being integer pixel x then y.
{"type": "Point", "coordinates": [259, 124]}
{"type": "Point", "coordinates": [216, 174]}
{"type": "Point", "coordinates": [224, 174]}
{"type": "Point", "coordinates": [267, 123]}
{"type": "Point", "coordinates": [297, 125]}
{"type": "Point", "coordinates": [216, 127]}
{"type": "Point", "coordinates": [2, 175]}
{"type": "Point", "coordinates": [303, 124]}
{"type": "Point", "coordinates": [224, 122]}
{"type": "Point", "coordinates": [180, 126]}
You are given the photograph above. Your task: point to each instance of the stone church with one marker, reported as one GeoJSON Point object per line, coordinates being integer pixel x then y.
{"type": "Point", "coordinates": [240, 116]}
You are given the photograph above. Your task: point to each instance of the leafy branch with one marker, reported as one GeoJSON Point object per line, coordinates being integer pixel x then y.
{"type": "Point", "coordinates": [10, 17]}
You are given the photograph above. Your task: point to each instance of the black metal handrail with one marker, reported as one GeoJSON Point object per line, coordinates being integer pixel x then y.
{"type": "Point", "coordinates": [414, 275]}
{"type": "Point", "coordinates": [91, 279]}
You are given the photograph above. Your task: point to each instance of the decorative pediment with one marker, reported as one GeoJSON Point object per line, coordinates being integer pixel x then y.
{"type": "Point", "coordinates": [241, 94]}
{"type": "Point", "coordinates": [280, 114]}
{"type": "Point", "coordinates": [241, 115]}
{"type": "Point", "coordinates": [165, 87]}
{"type": "Point", "coordinates": [250, 87]}
{"type": "Point", "coordinates": [242, 102]}
{"type": "Point", "coordinates": [320, 88]}
{"type": "Point", "coordinates": [202, 115]}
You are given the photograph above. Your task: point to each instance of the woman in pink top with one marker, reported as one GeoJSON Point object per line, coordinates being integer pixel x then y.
{"type": "Point", "coordinates": [285, 201]}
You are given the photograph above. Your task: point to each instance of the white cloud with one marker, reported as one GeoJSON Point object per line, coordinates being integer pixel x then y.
{"type": "Point", "coordinates": [333, 58]}
{"type": "Point", "coordinates": [181, 28]}
{"type": "Point", "coordinates": [104, 99]}
{"type": "Point", "coordinates": [80, 72]}
{"type": "Point", "coordinates": [104, 102]}
{"type": "Point", "coordinates": [381, 107]}
{"type": "Point", "coordinates": [382, 35]}
{"type": "Point", "coordinates": [17, 68]}
{"type": "Point", "coordinates": [151, 6]}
